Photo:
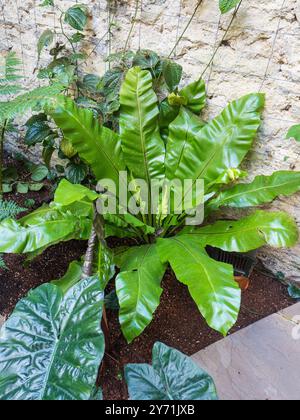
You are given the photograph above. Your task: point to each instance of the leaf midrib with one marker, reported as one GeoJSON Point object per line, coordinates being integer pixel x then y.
{"type": "Point", "coordinates": [142, 135]}
{"type": "Point", "coordinates": [196, 258]}
{"type": "Point", "coordinates": [97, 144]}
{"type": "Point", "coordinates": [270, 187]}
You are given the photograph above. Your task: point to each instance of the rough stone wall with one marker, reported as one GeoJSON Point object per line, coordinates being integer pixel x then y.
{"type": "Point", "coordinates": [262, 52]}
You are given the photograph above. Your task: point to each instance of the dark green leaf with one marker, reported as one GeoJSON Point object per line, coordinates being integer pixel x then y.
{"type": "Point", "coordinates": [62, 334]}
{"type": "Point", "coordinates": [10, 175]}
{"type": "Point", "coordinates": [173, 376]}
{"type": "Point", "coordinates": [47, 154]}
{"type": "Point", "coordinates": [77, 16]}
{"type": "Point", "coordinates": [294, 291]}
{"type": "Point", "coordinates": [39, 173]}
{"type": "Point", "coordinates": [146, 59]}
{"type": "Point", "coordinates": [91, 83]}
{"type": "Point", "coordinates": [76, 173]}
{"type": "Point", "coordinates": [37, 132]}
{"type": "Point", "coordinates": [172, 73]}
{"type": "Point", "coordinates": [111, 301]}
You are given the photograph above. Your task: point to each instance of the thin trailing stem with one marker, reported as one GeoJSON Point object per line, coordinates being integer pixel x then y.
{"type": "Point", "coordinates": [223, 39]}
{"type": "Point", "coordinates": [3, 128]}
{"type": "Point", "coordinates": [71, 44]}
{"type": "Point", "coordinates": [186, 28]}
{"type": "Point", "coordinates": [132, 25]}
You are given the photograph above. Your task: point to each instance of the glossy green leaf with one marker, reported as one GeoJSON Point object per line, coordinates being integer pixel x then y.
{"type": "Point", "coordinates": [211, 283]}
{"type": "Point", "coordinates": [44, 227]}
{"type": "Point", "coordinates": [227, 5]}
{"type": "Point", "coordinates": [182, 134]}
{"type": "Point", "coordinates": [68, 193]}
{"type": "Point", "coordinates": [91, 83]}
{"type": "Point", "coordinates": [45, 40]}
{"type": "Point", "coordinates": [143, 148]}
{"type": "Point", "coordinates": [146, 59]}
{"type": "Point", "coordinates": [52, 345]}
{"type": "Point", "coordinates": [39, 173]}
{"type": "Point", "coordinates": [72, 277]}
{"type": "Point", "coordinates": [294, 132]}
{"type": "Point", "coordinates": [37, 133]}
{"type": "Point", "coordinates": [76, 172]}
{"type": "Point", "coordinates": [138, 289]}
{"type": "Point", "coordinates": [262, 228]}
{"type": "Point", "coordinates": [97, 145]}
{"type": "Point", "coordinates": [172, 376]}
{"type": "Point", "coordinates": [227, 177]}
{"type": "Point", "coordinates": [172, 73]}
{"type": "Point", "coordinates": [223, 143]}
{"type": "Point", "coordinates": [104, 264]}
{"type": "Point", "coordinates": [77, 16]}
{"type": "Point", "coordinates": [263, 190]}
{"type": "Point", "coordinates": [195, 95]}
{"type": "Point", "coordinates": [294, 291]}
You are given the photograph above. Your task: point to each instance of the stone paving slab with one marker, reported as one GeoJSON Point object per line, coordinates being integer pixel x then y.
{"type": "Point", "coordinates": [260, 362]}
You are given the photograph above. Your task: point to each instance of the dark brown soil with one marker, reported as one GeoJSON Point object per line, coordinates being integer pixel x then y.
{"type": "Point", "coordinates": [177, 322]}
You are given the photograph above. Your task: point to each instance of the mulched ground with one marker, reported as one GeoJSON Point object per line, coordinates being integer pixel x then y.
{"type": "Point", "coordinates": [177, 322]}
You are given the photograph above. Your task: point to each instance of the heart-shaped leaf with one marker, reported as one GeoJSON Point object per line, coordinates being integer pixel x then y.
{"type": "Point", "coordinates": [77, 16]}
{"type": "Point", "coordinates": [173, 376]}
{"type": "Point", "coordinates": [52, 345]}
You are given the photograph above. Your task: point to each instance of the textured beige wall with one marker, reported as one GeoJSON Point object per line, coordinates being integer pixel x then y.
{"type": "Point", "coordinates": [262, 53]}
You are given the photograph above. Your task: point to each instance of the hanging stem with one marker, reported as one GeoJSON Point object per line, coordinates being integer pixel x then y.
{"type": "Point", "coordinates": [3, 128]}
{"type": "Point", "coordinates": [223, 39]}
{"type": "Point", "coordinates": [186, 28]}
{"type": "Point", "coordinates": [72, 46]}
{"type": "Point", "coordinates": [132, 25]}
